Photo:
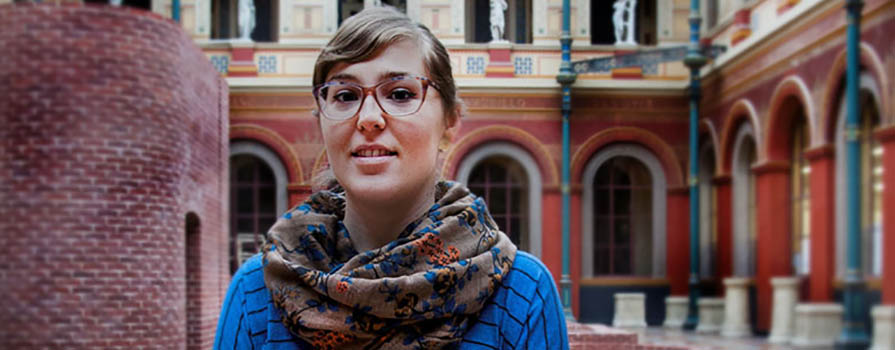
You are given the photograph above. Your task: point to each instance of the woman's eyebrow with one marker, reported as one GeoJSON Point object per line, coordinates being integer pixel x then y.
{"type": "Point", "coordinates": [382, 76]}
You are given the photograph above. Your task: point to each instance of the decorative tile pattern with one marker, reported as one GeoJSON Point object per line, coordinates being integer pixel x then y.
{"type": "Point", "coordinates": [267, 64]}
{"type": "Point", "coordinates": [522, 65]}
{"type": "Point", "coordinates": [221, 63]}
{"type": "Point", "coordinates": [475, 65]}
{"type": "Point", "coordinates": [650, 68]}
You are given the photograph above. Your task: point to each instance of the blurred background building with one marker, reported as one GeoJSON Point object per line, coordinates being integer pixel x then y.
{"type": "Point", "coordinates": [771, 138]}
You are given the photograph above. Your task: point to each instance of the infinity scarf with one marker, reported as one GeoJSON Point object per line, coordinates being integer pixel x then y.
{"type": "Point", "coordinates": [418, 292]}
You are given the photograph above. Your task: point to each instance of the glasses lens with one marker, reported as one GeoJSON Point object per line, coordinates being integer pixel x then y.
{"type": "Point", "coordinates": [400, 96]}
{"type": "Point", "coordinates": [339, 100]}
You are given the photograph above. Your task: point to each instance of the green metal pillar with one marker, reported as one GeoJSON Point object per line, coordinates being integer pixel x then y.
{"type": "Point", "coordinates": [854, 334]}
{"type": "Point", "coordinates": [566, 77]}
{"type": "Point", "coordinates": [175, 10]}
{"type": "Point", "coordinates": [694, 60]}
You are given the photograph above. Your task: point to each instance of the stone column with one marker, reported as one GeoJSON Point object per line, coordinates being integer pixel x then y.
{"type": "Point", "coordinates": [883, 327]}
{"type": "Point", "coordinates": [630, 310]}
{"type": "Point", "coordinates": [736, 307]}
{"type": "Point", "coordinates": [711, 314]}
{"type": "Point", "coordinates": [675, 312]}
{"type": "Point", "coordinates": [817, 324]}
{"type": "Point", "coordinates": [786, 296]}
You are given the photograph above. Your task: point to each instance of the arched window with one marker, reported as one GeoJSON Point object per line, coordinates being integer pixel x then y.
{"type": "Point", "coordinates": [800, 198]}
{"type": "Point", "coordinates": [622, 218]}
{"type": "Point", "coordinates": [708, 234]}
{"type": "Point", "coordinates": [623, 213]}
{"type": "Point", "coordinates": [252, 206]}
{"type": "Point", "coordinates": [517, 21]}
{"type": "Point", "coordinates": [744, 224]}
{"type": "Point", "coordinates": [504, 186]}
{"type": "Point", "coordinates": [519, 162]}
{"type": "Point", "coordinates": [602, 28]}
{"type": "Point", "coordinates": [871, 181]}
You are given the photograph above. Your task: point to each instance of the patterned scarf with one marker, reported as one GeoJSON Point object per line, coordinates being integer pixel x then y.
{"type": "Point", "coordinates": [418, 292]}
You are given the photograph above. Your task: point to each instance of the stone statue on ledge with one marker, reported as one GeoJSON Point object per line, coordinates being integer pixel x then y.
{"type": "Point", "coordinates": [623, 18]}
{"type": "Point", "coordinates": [497, 20]}
{"type": "Point", "coordinates": [246, 19]}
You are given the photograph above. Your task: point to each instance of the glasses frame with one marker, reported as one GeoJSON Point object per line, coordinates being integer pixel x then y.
{"type": "Point", "coordinates": [371, 90]}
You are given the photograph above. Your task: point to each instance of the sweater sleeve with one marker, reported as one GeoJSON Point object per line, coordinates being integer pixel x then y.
{"type": "Point", "coordinates": [233, 325]}
{"type": "Point", "coordinates": [545, 326]}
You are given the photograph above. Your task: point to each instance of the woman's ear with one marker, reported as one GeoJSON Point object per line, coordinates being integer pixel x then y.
{"type": "Point", "coordinates": [451, 128]}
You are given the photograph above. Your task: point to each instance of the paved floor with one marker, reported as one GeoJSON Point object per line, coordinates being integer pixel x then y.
{"type": "Point", "coordinates": [694, 341]}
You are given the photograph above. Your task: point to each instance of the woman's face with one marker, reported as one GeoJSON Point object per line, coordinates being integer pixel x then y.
{"type": "Point", "coordinates": [376, 156]}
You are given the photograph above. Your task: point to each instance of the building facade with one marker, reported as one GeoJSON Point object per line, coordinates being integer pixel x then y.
{"type": "Point", "coordinates": [771, 148]}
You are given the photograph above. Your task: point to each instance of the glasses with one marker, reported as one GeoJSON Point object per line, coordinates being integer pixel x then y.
{"type": "Point", "coordinates": [396, 96]}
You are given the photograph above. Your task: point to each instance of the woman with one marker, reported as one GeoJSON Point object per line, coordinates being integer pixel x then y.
{"type": "Point", "coordinates": [389, 258]}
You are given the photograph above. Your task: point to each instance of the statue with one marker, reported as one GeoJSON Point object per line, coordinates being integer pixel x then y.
{"type": "Point", "coordinates": [497, 20]}
{"type": "Point", "coordinates": [246, 19]}
{"type": "Point", "coordinates": [623, 18]}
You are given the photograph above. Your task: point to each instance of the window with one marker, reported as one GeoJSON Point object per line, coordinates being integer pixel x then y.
{"type": "Point", "coordinates": [800, 174]}
{"type": "Point", "coordinates": [871, 188]}
{"type": "Point", "coordinates": [602, 27]}
{"type": "Point", "coordinates": [225, 20]}
{"type": "Point", "coordinates": [348, 8]}
{"type": "Point", "coordinates": [517, 21]}
{"type": "Point", "coordinates": [622, 218]}
{"type": "Point", "coordinates": [501, 181]}
{"type": "Point", "coordinates": [252, 206]}
{"type": "Point", "coordinates": [193, 292]}
{"type": "Point", "coordinates": [744, 225]}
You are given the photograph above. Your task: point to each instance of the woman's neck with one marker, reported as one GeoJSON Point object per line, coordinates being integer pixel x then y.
{"type": "Point", "coordinates": [373, 224]}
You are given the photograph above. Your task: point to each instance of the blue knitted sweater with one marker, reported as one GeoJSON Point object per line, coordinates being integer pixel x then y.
{"type": "Point", "coordinates": [524, 313]}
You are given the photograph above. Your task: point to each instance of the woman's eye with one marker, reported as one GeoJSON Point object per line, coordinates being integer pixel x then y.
{"type": "Point", "coordinates": [401, 95]}
{"type": "Point", "coordinates": [345, 96]}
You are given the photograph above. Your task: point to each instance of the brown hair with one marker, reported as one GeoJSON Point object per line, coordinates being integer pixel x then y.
{"type": "Point", "coordinates": [363, 35]}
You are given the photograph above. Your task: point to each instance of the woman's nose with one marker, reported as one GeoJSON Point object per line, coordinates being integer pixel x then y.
{"type": "Point", "coordinates": [369, 117]}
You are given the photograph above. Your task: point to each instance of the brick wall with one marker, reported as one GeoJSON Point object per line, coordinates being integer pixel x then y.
{"type": "Point", "coordinates": [112, 130]}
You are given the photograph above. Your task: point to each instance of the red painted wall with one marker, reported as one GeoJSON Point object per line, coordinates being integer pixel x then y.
{"type": "Point", "coordinates": [114, 127]}
{"type": "Point", "coordinates": [823, 232]}
{"type": "Point", "coordinates": [724, 229]}
{"type": "Point", "coordinates": [773, 250]}
{"type": "Point", "coordinates": [678, 240]}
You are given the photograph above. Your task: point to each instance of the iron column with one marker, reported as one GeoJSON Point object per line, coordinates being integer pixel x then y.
{"type": "Point", "coordinates": [695, 60]}
{"type": "Point", "coordinates": [175, 10]}
{"type": "Point", "coordinates": [854, 335]}
{"type": "Point", "coordinates": [566, 78]}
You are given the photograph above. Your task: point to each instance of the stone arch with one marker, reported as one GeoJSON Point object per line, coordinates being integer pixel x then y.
{"type": "Point", "coordinates": [742, 111]}
{"type": "Point", "coordinates": [835, 87]}
{"type": "Point", "coordinates": [659, 202]}
{"type": "Point", "coordinates": [504, 133]}
{"type": "Point", "coordinates": [272, 160]}
{"type": "Point", "coordinates": [744, 252]}
{"type": "Point", "coordinates": [532, 171]}
{"type": "Point", "coordinates": [275, 143]}
{"type": "Point", "coordinates": [780, 121]}
{"type": "Point", "coordinates": [664, 153]}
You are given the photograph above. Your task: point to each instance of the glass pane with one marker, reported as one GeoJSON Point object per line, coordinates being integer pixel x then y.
{"type": "Point", "coordinates": [244, 225]}
{"type": "Point", "coordinates": [516, 201]}
{"type": "Point", "coordinates": [601, 261]}
{"type": "Point", "coordinates": [515, 231]}
{"type": "Point", "coordinates": [620, 175]}
{"type": "Point", "coordinates": [621, 260]}
{"type": "Point", "coordinates": [497, 173]}
{"type": "Point", "coordinates": [501, 221]}
{"type": "Point", "coordinates": [497, 202]}
{"type": "Point", "coordinates": [266, 200]}
{"type": "Point", "coordinates": [264, 225]}
{"type": "Point", "coordinates": [622, 230]}
{"type": "Point", "coordinates": [265, 175]}
{"type": "Point", "coordinates": [477, 190]}
{"type": "Point", "coordinates": [244, 201]}
{"type": "Point", "coordinates": [601, 201]}
{"type": "Point", "coordinates": [477, 176]}
{"type": "Point", "coordinates": [601, 231]}
{"type": "Point", "coordinates": [602, 178]}
{"type": "Point", "coordinates": [621, 201]}
{"type": "Point", "coordinates": [245, 168]}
